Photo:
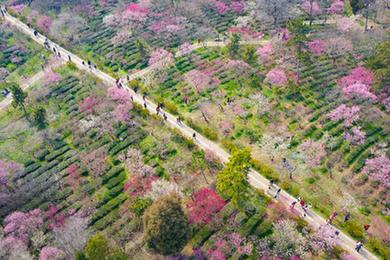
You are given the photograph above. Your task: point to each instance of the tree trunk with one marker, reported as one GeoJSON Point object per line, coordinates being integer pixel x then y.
{"type": "Point", "coordinates": [311, 13]}
{"type": "Point", "coordinates": [366, 23]}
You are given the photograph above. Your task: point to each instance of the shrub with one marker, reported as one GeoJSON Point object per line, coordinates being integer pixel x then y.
{"type": "Point", "coordinates": [140, 205]}
{"type": "Point", "coordinates": [355, 229]}
{"type": "Point", "coordinates": [265, 170]}
{"type": "Point", "coordinates": [378, 247]}
{"type": "Point", "coordinates": [201, 236]}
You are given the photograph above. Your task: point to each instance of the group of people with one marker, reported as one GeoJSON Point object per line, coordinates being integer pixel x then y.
{"type": "Point", "coordinates": [3, 11]}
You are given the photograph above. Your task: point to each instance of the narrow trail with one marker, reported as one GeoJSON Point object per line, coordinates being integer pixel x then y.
{"type": "Point", "coordinates": [25, 84]}
{"type": "Point", "coordinates": [255, 179]}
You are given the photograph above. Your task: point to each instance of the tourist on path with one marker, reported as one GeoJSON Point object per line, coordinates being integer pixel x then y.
{"type": "Point", "coordinates": [277, 193]}
{"type": "Point", "coordinates": [332, 217]}
{"type": "Point", "coordinates": [358, 246]}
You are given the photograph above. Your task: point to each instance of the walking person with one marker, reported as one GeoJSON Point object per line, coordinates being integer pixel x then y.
{"type": "Point", "coordinates": [358, 246]}
{"type": "Point", "coordinates": [194, 135]}
{"type": "Point", "coordinates": [347, 216]}
{"type": "Point", "coordinates": [35, 33]}
{"type": "Point", "coordinates": [292, 205]}
{"type": "Point", "coordinates": [366, 227]}
{"type": "Point", "coordinates": [178, 120]}
{"type": "Point", "coordinates": [271, 184]}
{"type": "Point", "coordinates": [145, 106]}
{"type": "Point", "coordinates": [332, 217]}
{"type": "Point", "coordinates": [158, 110]}
{"type": "Point", "coordinates": [277, 193]}
{"type": "Point", "coordinates": [144, 97]}
{"type": "Point", "coordinates": [69, 58]}
{"type": "Point", "coordinates": [165, 117]}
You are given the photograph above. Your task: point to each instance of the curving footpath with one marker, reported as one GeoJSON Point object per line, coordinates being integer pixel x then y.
{"type": "Point", "coordinates": [255, 179]}
{"type": "Point", "coordinates": [26, 84]}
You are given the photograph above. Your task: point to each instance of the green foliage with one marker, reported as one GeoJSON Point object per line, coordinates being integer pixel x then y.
{"type": "Point", "coordinates": [40, 118]}
{"type": "Point", "coordinates": [19, 96]}
{"type": "Point", "coordinates": [378, 247]}
{"type": "Point", "coordinates": [232, 180]}
{"type": "Point", "coordinates": [234, 46]}
{"type": "Point", "coordinates": [379, 62]}
{"type": "Point", "coordinates": [249, 55]}
{"type": "Point", "coordinates": [355, 229]}
{"type": "Point", "coordinates": [99, 248]}
{"type": "Point", "coordinates": [140, 205]}
{"type": "Point", "coordinates": [347, 8]}
{"type": "Point", "coordinates": [166, 227]}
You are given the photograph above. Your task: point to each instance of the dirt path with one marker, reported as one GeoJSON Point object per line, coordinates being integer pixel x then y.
{"type": "Point", "coordinates": [25, 84]}
{"type": "Point", "coordinates": [255, 179]}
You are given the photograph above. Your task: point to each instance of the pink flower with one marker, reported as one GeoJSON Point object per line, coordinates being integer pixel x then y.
{"type": "Point", "coordinates": [135, 11]}
{"type": "Point", "coordinates": [200, 80]}
{"type": "Point", "coordinates": [348, 114]}
{"type": "Point", "coordinates": [237, 6]}
{"type": "Point", "coordinates": [386, 102]}
{"type": "Point", "coordinates": [51, 253]}
{"type": "Point", "coordinates": [44, 23]}
{"type": "Point", "coordinates": [356, 136]}
{"type": "Point", "coordinates": [379, 169]}
{"type": "Point", "coordinates": [160, 56]}
{"type": "Point", "coordinates": [18, 8]}
{"type": "Point", "coordinates": [122, 112]}
{"type": "Point", "coordinates": [337, 7]}
{"type": "Point", "coordinates": [119, 95]}
{"type": "Point", "coordinates": [88, 104]}
{"type": "Point", "coordinates": [205, 204]}
{"type": "Point", "coordinates": [358, 74]}
{"type": "Point", "coordinates": [346, 24]}
{"type": "Point", "coordinates": [360, 90]}
{"type": "Point", "coordinates": [276, 77]}
{"type": "Point", "coordinates": [311, 7]}
{"type": "Point", "coordinates": [185, 48]}
{"type": "Point", "coordinates": [265, 52]}
{"type": "Point", "coordinates": [220, 7]}
{"type": "Point", "coordinates": [51, 77]}
{"type": "Point", "coordinates": [284, 34]}
{"type": "Point", "coordinates": [317, 46]}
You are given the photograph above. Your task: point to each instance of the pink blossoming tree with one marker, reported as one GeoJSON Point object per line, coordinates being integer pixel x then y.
{"type": "Point", "coordinates": [200, 80]}
{"type": "Point", "coordinates": [276, 77]}
{"type": "Point", "coordinates": [44, 23]}
{"type": "Point", "coordinates": [237, 6]}
{"type": "Point", "coordinates": [220, 7]}
{"type": "Point", "coordinates": [21, 225]}
{"type": "Point", "coordinates": [336, 7]}
{"type": "Point", "coordinates": [317, 46]}
{"type": "Point", "coordinates": [51, 253]}
{"type": "Point", "coordinates": [379, 169]}
{"type": "Point", "coordinates": [122, 112]}
{"type": "Point", "coordinates": [348, 114]}
{"type": "Point", "coordinates": [51, 77]}
{"type": "Point", "coordinates": [204, 205]}
{"type": "Point", "coordinates": [265, 52]}
{"type": "Point", "coordinates": [88, 104]}
{"type": "Point", "coordinates": [314, 151]}
{"type": "Point", "coordinates": [355, 136]}
{"type": "Point", "coordinates": [119, 95]}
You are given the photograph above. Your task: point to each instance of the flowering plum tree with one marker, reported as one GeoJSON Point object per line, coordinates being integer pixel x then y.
{"type": "Point", "coordinates": [324, 238]}
{"type": "Point", "coordinates": [204, 205]}
{"type": "Point", "coordinates": [379, 169]}
{"type": "Point", "coordinates": [348, 114]}
{"type": "Point", "coordinates": [122, 112]}
{"type": "Point", "coordinates": [336, 7]}
{"type": "Point", "coordinates": [139, 184]}
{"type": "Point", "coordinates": [160, 57]}
{"type": "Point", "coordinates": [88, 104]}
{"type": "Point", "coordinates": [73, 175]}
{"type": "Point", "coordinates": [200, 80]}
{"type": "Point", "coordinates": [95, 161]}
{"type": "Point", "coordinates": [120, 95]}
{"type": "Point", "coordinates": [346, 24]}
{"type": "Point", "coordinates": [220, 7]}
{"type": "Point", "coordinates": [73, 236]}
{"type": "Point", "coordinates": [338, 46]}
{"type": "Point", "coordinates": [317, 46]}
{"type": "Point", "coordinates": [44, 23]}
{"type": "Point", "coordinates": [356, 136]}
{"type": "Point", "coordinates": [314, 152]}
{"type": "Point", "coordinates": [121, 37]}
{"type": "Point", "coordinates": [51, 253]}
{"type": "Point", "coordinates": [51, 77]}
{"type": "Point", "coordinates": [265, 52]}
{"type": "Point", "coordinates": [135, 11]}
{"type": "Point", "coordinates": [276, 77]}
{"type": "Point", "coordinates": [21, 225]}
{"type": "Point", "coordinates": [185, 49]}
{"type": "Point", "coordinates": [160, 188]}
{"type": "Point", "coordinates": [312, 8]}
{"type": "Point", "coordinates": [237, 6]}
{"type": "Point", "coordinates": [358, 83]}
